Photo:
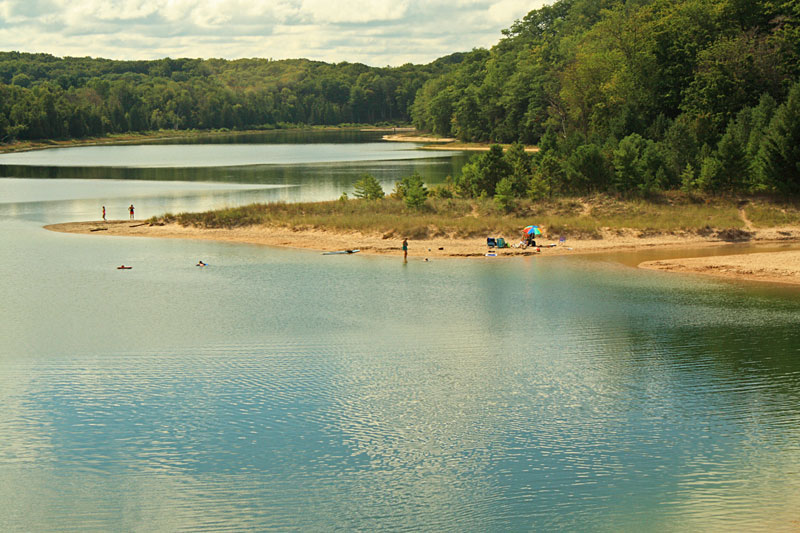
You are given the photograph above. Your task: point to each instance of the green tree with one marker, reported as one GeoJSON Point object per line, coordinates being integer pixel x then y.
{"type": "Point", "coordinates": [639, 165]}
{"type": "Point", "coordinates": [731, 153]}
{"type": "Point", "coordinates": [413, 191]}
{"type": "Point", "coordinates": [586, 169]}
{"type": "Point", "coordinates": [368, 188]}
{"type": "Point", "coordinates": [548, 176]}
{"type": "Point", "coordinates": [710, 172]}
{"type": "Point", "coordinates": [483, 172]}
{"type": "Point", "coordinates": [688, 179]}
{"type": "Point", "coordinates": [504, 195]}
{"type": "Point", "coordinates": [21, 80]}
{"type": "Point", "coordinates": [521, 169]}
{"type": "Point", "coordinates": [680, 144]}
{"type": "Point", "coordinates": [779, 156]}
{"type": "Point", "coordinates": [629, 169]}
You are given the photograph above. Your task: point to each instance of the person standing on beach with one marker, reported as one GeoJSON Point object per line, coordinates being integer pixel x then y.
{"type": "Point", "coordinates": [405, 249]}
{"type": "Point", "coordinates": [104, 213]}
{"type": "Point", "coordinates": [130, 210]}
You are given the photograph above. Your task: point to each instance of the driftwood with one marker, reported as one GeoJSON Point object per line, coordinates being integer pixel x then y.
{"type": "Point", "coordinates": [137, 225]}
{"type": "Point", "coordinates": [99, 229]}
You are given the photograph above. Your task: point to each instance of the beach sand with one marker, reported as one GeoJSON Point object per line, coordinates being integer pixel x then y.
{"type": "Point", "coordinates": [446, 143]}
{"type": "Point", "coordinates": [774, 267]}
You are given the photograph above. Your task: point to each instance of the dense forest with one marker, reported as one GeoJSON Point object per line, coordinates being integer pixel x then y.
{"type": "Point", "coordinates": [44, 97]}
{"type": "Point", "coordinates": [633, 96]}
{"type": "Point", "coordinates": [627, 96]}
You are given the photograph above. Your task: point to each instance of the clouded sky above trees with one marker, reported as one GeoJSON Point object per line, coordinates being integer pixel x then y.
{"type": "Point", "coordinates": [375, 32]}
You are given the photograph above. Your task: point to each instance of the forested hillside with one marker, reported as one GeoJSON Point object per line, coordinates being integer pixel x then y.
{"type": "Point", "coordinates": [42, 96]}
{"type": "Point", "coordinates": [623, 96]}
{"type": "Point", "coordinates": [637, 95]}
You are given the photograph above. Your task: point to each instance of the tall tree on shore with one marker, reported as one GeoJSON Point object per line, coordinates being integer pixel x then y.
{"type": "Point", "coordinates": [779, 156]}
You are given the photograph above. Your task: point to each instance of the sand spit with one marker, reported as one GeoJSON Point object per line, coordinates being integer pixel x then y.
{"type": "Point", "coordinates": [774, 266]}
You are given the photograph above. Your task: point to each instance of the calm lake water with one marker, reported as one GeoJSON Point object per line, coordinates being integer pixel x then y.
{"type": "Point", "coordinates": [282, 389]}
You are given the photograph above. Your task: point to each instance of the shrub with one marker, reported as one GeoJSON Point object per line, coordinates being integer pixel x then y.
{"type": "Point", "coordinates": [368, 188]}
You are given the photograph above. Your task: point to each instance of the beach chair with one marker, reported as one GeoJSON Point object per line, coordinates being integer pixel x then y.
{"type": "Point", "coordinates": [501, 243]}
{"type": "Point", "coordinates": [491, 242]}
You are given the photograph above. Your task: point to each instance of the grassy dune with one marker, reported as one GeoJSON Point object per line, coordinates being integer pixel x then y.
{"type": "Point", "coordinates": [462, 218]}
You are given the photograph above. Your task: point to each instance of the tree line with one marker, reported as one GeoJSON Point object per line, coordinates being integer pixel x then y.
{"type": "Point", "coordinates": [44, 97]}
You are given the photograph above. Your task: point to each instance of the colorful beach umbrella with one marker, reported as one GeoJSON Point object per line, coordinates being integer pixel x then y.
{"type": "Point", "coordinates": [532, 230]}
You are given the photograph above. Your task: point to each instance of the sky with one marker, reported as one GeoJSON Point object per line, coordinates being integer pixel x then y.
{"type": "Point", "coordinates": [375, 32]}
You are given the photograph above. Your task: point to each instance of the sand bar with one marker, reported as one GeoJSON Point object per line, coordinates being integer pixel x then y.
{"type": "Point", "coordinates": [447, 143]}
{"type": "Point", "coordinates": [775, 266]}
{"type": "Point", "coordinates": [417, 138]}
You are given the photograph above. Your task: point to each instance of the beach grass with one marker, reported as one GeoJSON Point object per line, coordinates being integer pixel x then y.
{"type": "Point", "coordinates": [463, 218]}
{"type": "Point", "coordinates": [771, 214]}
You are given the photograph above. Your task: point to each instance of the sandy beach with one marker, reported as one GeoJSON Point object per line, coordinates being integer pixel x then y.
{"type": "Point", "coordinates": [781, 267]}
{"type": "Point", "coordinates": [445, 143]}
{"type": "Point", "coordinates": [774, 267]}
{"type": "Point", "coordinates": [415, 138]}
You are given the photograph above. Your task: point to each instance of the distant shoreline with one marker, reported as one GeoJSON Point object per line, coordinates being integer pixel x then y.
{"type": "Point", "coordinates": [27, 146]}
{"type": "Point", "coordinates": [394, 134]}
{"type": "Point", "coordinates": [163, 135]}
{"type": "Point", "coordinates": [446, 143]}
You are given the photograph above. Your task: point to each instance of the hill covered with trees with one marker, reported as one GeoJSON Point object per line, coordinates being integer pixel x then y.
{"type": "Point", "coordinates": [636, 95]}
{"type": "Point", "coordinates": [45, 97]}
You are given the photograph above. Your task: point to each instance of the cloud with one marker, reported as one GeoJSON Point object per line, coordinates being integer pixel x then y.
{"type": "Point", "coordinates": [376, 32]}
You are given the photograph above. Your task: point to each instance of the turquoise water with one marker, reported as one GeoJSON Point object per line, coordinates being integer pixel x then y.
{"type": "Point", "coordinates": [282, 389]}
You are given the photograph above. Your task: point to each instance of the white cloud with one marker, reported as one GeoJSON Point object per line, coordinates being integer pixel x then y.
{"type": "Point", "coordinates": [353, 11]}
{"type": "Point", "coordinates": [498, 11]}
{"type": "Point", "coordinates": [376, 32]}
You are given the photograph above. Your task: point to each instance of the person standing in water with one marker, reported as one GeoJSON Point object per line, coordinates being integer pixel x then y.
{"type": "Point", "coordinates": [130, 210]}
{"type": "Point", "coordinates": [104, 213]}
{"type": "Point", "coordinates": [405, 249]}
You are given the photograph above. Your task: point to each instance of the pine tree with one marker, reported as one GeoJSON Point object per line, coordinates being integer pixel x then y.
{"type": "Point", "coordinates": [779, 156]}
{"type": "Point", "coordinates": [369, 188]}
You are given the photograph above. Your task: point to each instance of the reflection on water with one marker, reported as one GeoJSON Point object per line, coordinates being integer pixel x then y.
{"type": "Point", "coordinates": [214, 155]}
{"type": "Point", "coordinates": [288, 390]}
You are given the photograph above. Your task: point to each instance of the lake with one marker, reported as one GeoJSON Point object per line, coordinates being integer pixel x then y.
{"type": "Point", "coordinates": [283, 389]}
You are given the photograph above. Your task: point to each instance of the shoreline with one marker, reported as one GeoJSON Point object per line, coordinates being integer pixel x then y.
{"type": "Point", "coordinates": [30, 146]}
{"type": "Point", "coordinates": [447, 143]}
{"type": "Point", "coordinates": [782, 266]}
{"type": "Point", "coordinates": [163, 135]}
{"type": "Point", "coordinates": [770, 267]}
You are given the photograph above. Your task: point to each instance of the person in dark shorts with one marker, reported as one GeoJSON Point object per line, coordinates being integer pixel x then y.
{"type": "Point", "coordinates": [405, 249]}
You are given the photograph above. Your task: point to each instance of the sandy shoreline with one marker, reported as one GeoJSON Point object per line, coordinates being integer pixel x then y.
{"type": "Point", "coordinates": [773, 267]}
{"type": "Point", "coordinates": [781, 266]}
{"type": "Point", "coordinates": [400, 137]}
{"type": "Point", "coordinates": [445, 143]}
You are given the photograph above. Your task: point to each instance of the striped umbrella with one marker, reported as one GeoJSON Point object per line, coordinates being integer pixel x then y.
{"type": "Point", "coordinates": [532, 230]}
